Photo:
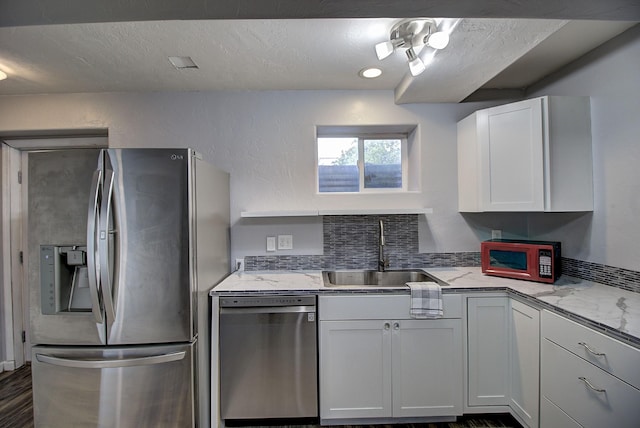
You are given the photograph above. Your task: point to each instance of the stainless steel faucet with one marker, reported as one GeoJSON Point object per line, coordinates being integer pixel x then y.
{"type": "Point", "coordinates": [383, 262]}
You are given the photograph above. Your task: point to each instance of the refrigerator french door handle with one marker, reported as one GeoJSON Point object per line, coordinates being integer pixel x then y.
{"type": "Point", "coordinates": [93, 268]}
{"type": "Point", "coordinates": [103, 248]}
{"type": "Point", "coordinates": [111, 364]}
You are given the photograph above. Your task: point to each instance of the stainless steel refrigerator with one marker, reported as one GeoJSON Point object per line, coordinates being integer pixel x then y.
{"type": "Point", "coordinates": [124, 245]}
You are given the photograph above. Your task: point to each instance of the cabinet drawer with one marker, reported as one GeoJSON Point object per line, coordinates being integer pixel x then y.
{"type": "Point", "coordinates": [565, 383]}
{"type": "Point", "coordinates": [618, 358]}
{"type": "Point", "coordinates": [378, 307]}
{"type": "Point", "coordinates": [552, 416]}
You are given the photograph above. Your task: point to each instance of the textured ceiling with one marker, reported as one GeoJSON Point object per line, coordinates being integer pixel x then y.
{"type": "Point", "coordinates": [278, 54]}
{"type": "Point", "coordinates": [38, 12]}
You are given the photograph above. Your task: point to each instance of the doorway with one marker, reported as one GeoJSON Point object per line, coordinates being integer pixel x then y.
{"type": "Point", "coordinates": [16, 268]}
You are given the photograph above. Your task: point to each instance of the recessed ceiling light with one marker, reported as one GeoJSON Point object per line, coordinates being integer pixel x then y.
{"type": "Point", "coordinates": [370, 73]}
{"type": "Point", "coordinates": [3, 75]}
{"type": "Point", "coordinates": [182, 62]}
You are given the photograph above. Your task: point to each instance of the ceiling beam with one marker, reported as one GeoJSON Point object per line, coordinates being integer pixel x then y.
{"type": "Point", "coordinates": [37, 12]}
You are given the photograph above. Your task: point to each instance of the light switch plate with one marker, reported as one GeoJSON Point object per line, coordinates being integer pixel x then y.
{"type": "Point", "coordinates": [285, 242]}
{"type": "Point", "coordinates": [271, 243]}
{"type": "Point", "coordinates": [496, 234]}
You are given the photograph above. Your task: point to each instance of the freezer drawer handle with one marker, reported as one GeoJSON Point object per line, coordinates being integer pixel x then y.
{"type": "Point", "coordinates": [109, 364]}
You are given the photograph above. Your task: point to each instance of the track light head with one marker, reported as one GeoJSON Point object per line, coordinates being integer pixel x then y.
{"type": "Point", "coordinates": [410, 34]}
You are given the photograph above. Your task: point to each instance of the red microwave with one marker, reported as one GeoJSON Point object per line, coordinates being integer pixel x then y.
{"type": "Point", "coordinates": [530, 260]}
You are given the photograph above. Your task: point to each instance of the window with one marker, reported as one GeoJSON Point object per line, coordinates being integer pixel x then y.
{"type": "Point", "coordinates": [362, 163]}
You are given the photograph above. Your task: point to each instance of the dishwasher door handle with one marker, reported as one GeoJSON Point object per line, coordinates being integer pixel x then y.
{"type": "Point", "coordinates": [267, 310]}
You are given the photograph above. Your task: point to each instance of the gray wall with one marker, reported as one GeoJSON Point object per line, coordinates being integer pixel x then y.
{"type": "Point", "coordinates": [611, 77]}
{"type": "Point", "coordinates": [266, 141]}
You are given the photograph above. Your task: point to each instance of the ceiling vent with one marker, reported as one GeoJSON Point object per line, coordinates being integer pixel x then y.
{"type": "Point", "coordinates": [183, 62]}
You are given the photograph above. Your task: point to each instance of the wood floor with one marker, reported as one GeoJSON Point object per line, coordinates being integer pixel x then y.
{"type": "Point", "coordinates": [16, 400]}
{"type": "Point", "coordinates": [16, 408]}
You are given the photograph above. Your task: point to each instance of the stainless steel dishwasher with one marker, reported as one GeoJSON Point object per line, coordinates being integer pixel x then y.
{"type": "Point", "coordinates": [268, 357]}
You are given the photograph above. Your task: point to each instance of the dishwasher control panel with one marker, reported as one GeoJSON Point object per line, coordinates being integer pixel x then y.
{"type": "Point", "coordinates": [262, 301]}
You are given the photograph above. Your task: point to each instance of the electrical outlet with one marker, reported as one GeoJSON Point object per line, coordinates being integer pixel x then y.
{"type": "Point", "coordinates": [271, 243]}
{"type": "Point", "coordinates": [240, 264]}
{"type": "Point", "coordinates": [285, 242]}
{"type": "Point", "coordinates": [496, 234]}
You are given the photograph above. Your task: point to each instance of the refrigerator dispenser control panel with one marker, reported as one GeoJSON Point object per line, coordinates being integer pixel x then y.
{"type": "Point", "coordinates": [48, 297]}
{"type": "Point", "coordinates": [63, 279]}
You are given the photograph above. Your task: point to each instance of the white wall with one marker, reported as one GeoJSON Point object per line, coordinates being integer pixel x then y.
{"type": "Point", "coordinates": [266, 141]}
{"type": "Point", "coordinates": [611, 76]}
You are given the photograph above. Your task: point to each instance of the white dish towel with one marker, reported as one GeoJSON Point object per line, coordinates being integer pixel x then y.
{"type": "Point", "coordinates": [426, 300]}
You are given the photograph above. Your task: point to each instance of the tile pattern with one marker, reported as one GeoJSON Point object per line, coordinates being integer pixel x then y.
{"type": "Point", "coordinates": [603, 274]}
{"type": "Point", "coordinates": [351, 242]}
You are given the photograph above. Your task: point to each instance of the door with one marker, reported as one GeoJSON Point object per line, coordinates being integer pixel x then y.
{"type": "Point", "coordinates": [147, 224]}
{"type": "Point", "coordinates": [355, 369]}
{"type": "Point", "coordinates": [511, 147]}
{"type": "Point", "coordinates": [150, 386]}
{"type": "Point", "coordinates": [525, 362]}
{"type": "Point", "coordinates": [58, 193]}
{"type": "Point", "coordinates": [488, 349]}
{"type": "Point", "coordinates": [427, 368]}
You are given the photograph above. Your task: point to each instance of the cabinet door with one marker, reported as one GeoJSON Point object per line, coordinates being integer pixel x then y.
{"type": "Point", "coordinates": [355, 369]}
{"type": "Point", "coordinates": [427, 368]}
{"type": "Point", "coordinates": [511, 146]}
{"type": "Point", "coordinates": [525, 362]}
{"type": "Point", "coordinates": [488, 351]}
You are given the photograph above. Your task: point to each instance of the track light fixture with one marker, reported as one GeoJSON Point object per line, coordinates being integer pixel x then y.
{"type": "Point", "coordinates": [412, 33]}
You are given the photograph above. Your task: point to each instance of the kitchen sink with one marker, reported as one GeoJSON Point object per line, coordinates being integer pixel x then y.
{"type": "Point", "coordinates": [372, 278]}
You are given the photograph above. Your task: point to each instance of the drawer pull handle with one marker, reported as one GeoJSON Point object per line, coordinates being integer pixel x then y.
{"type": "Point", "coordinates": [591, 350]}
{"type": "Point", "coordinates": [590, 385]}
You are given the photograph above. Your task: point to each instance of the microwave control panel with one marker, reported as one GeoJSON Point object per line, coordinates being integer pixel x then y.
{"type": "Point", "coordinates": [544, 264]}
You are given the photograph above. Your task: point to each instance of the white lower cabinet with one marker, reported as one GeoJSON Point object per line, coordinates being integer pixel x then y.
{"type": "Point", "coordinates": [355, 369]}
{"type": "Point", "coordinates": [377, 364]}
{"type": "Point", "coordinates": [524, 366]}
{"type": "Point", "coordinates": [488, 351]}
{"type": "Point", "coordinates": [589, 377]}
{"type": "Point", "coordinates": [426, 361]}
{"type": "Point", "coordinates": [503, 357]}
{"type": "Point", "coordinates": [388, 368]}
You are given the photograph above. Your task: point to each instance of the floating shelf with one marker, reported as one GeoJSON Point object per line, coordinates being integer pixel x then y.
{"type": "Point", "coordinates": [257, 214]}
{"type": "Point", "coordinates": [316, 213]}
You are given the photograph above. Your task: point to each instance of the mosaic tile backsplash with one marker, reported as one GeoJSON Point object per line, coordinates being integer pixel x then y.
{"type": "Point", "coordinates": [609, 275]}
{"type": "Point", "coordinates": [351, 242]}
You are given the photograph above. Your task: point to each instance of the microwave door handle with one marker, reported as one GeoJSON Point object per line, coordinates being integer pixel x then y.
{"type": "Point", "coordinates": [93, 268]}
{"type": "Point", "coordinates": [103, 248]}
{"type": "Point", "coordinates": [109, 364]}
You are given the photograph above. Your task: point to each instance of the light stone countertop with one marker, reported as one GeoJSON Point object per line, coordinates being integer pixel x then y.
{"type": "Point", "coordinates": [610, 308]}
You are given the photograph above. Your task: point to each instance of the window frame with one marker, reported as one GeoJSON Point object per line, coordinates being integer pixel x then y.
{"type": "Point", "coordinates": [361, 137]}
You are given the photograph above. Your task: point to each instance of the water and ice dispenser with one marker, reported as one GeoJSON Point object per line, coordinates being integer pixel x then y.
{"type": "Point", "coordinates": [64, 280]}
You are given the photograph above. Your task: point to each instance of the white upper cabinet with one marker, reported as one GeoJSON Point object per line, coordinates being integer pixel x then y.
{"type": "Point", "coordinates": [532, 155]}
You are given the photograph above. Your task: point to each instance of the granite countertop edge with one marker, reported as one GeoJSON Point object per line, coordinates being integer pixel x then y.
{"type": "Point", "coordinates": [610, 310]}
